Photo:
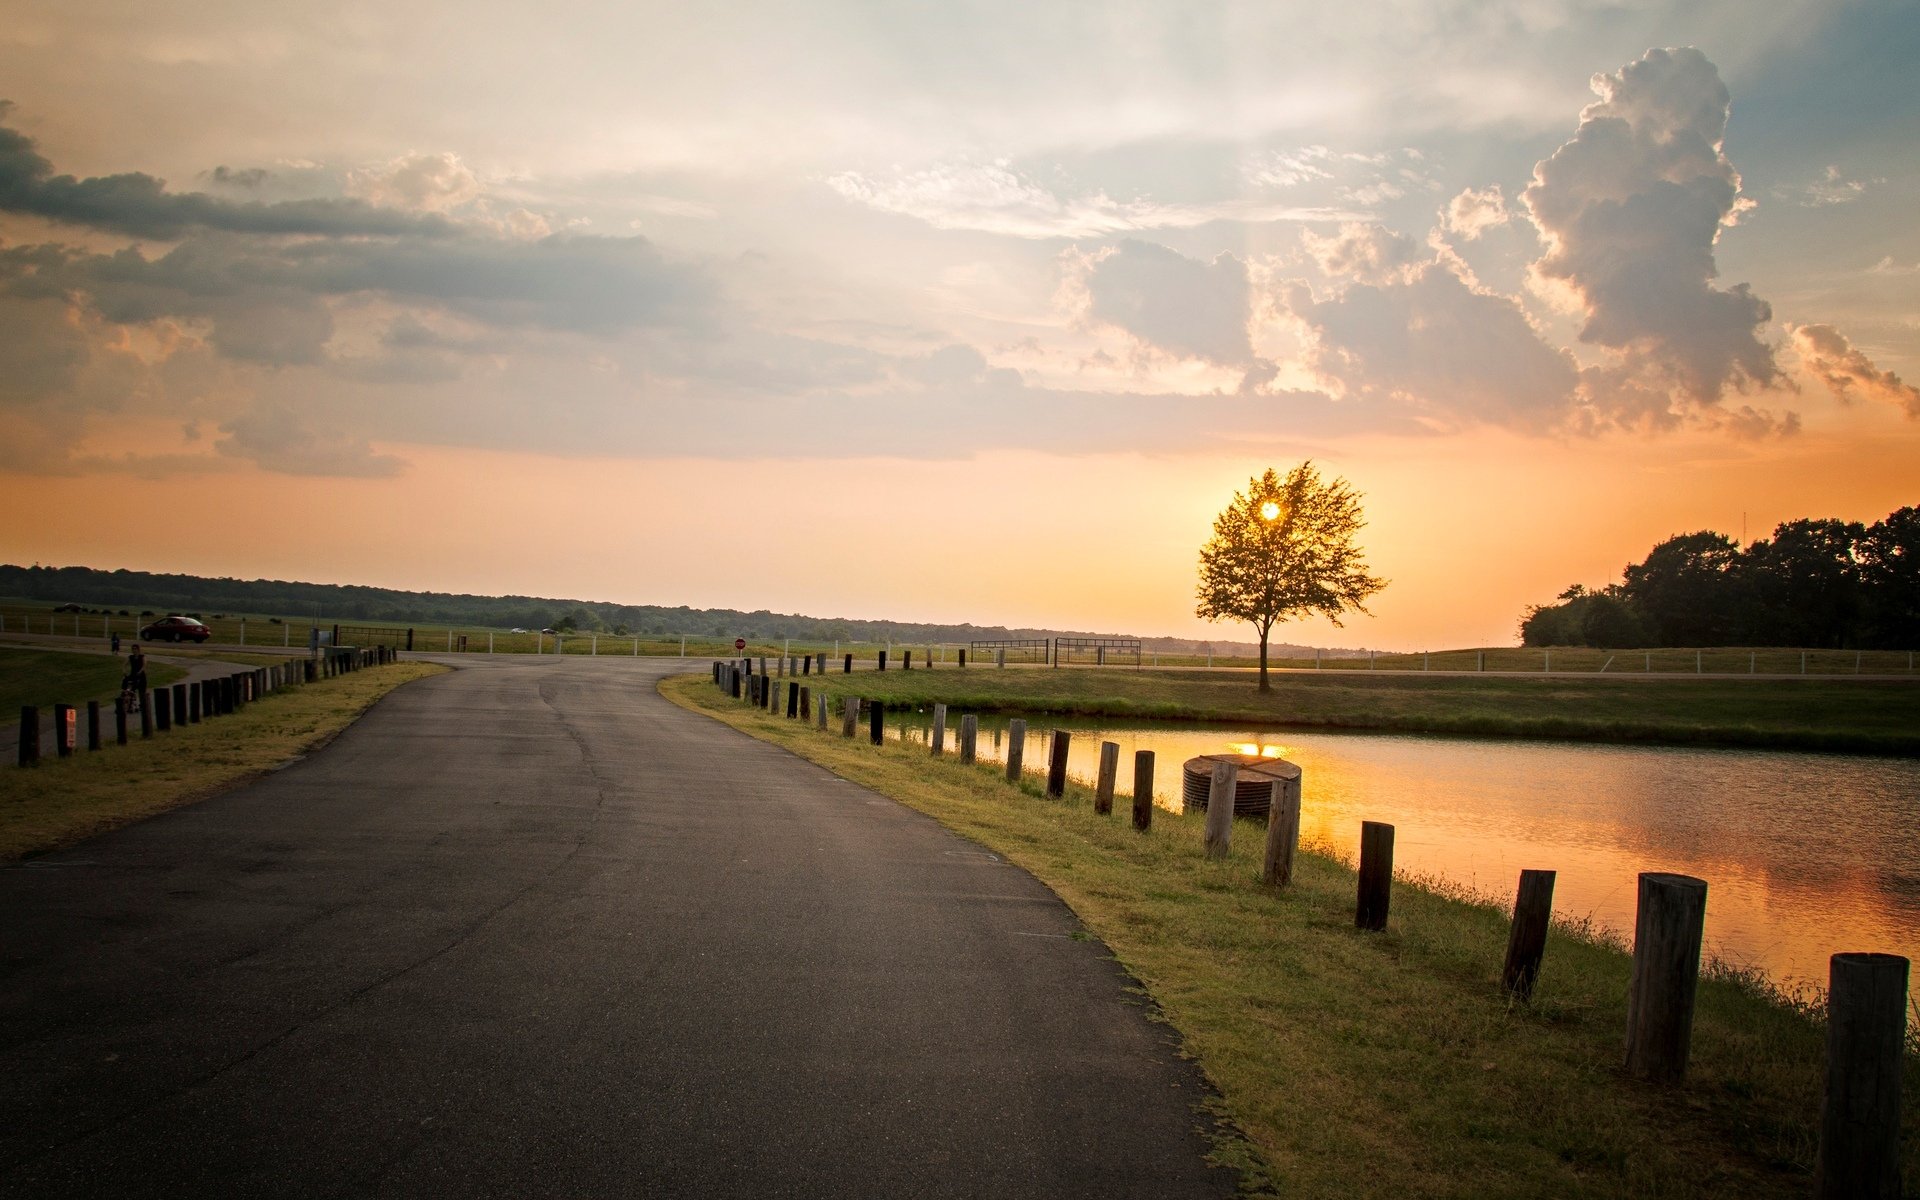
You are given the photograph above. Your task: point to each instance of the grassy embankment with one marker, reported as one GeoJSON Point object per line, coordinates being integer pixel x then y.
{"type": "Point", "coordinates": [1379, 1064]}
{"type": "Point", "coordinates": [1860, 716]}
{"type": "Point", "coordinates": [44, 678]}
{"type": "Point", "coordinates": [63, 801]}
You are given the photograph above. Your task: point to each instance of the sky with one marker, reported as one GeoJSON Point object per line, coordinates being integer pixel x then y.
{"type": "Point", "coordinates": [960, 312]}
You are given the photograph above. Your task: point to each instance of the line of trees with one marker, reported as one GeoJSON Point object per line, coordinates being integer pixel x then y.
{"type": "Point", "coordinates": [1815, 583]}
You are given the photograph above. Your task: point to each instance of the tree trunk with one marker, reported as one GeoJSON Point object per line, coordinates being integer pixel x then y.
{"type": "Point", "coordinates": [1264, 685]}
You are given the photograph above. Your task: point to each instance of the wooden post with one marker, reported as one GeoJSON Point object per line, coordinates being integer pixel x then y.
{"type": "Point", "coordinates": [876, 727]}
{"type": "Point", "coordinates": [848, 669]}
{"type": "Point", "coordinates": [1142, 790]}
{"type": "Point", "coordinates": [793, 700]}
{"type": "Point", "coordinates": [1109, 768]}
{"type": "Point", "coordinates": [1860, 1117]}
{"type": "Point", "coordinates": [821, 715]}
{"type": "Point", "coordinates": [65, 727]}
{"type": "Point", "coordinates": [1000, 657]}
{"type": "Point", "coordinates": [1016, 748]}
{"type": "Point", "coordinates": [29, 735]}
{"type": "Point", "coordinates": [1283, 831]}
{"type": "Point", "coordinates": [195, 699]}
{"type": "Point", "coordinates": [849, 715]}
{"type": "Point", "coordinates": [1376, 875]}
{"type": "Point", "coordinates": [963, 658]}
{"type": "Point", "coordinates": [179, 704]}
{"type": "Point", "coordinates": [1527, 943]}
{"type": "Point", "coordinates": [1057, 763]}
{"type": "Point", "coordinates": [1666, 972]}
{"type": "Point", "coordinates": [146, 713]}
{"type": "Point", "coordinates": [806, 665]}
{"type": "Point", "coordinates": [806, 704]}
{"type": "Point", "coordinates": [120, 720]}
{"type": "Point", "coordinates": [93, 724]}
{"type": "Point", "coordinates": [162, 712]}
{"type": "Point", "coordinates": [969, 738]}
{"type": "Point", "coordinates": [883, 660]}
{"type": "Point", "coordinates": [1220, 790]}
{"type": "Point", "coordinates": [939, 730]}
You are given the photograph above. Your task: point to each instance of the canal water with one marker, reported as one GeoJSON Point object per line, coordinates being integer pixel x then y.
{"type": "Point", "coordinates": [1804, 855]}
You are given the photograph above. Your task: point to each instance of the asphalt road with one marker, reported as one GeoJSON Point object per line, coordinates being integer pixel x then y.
{"type": "Point", "coordinates": [529, 930]}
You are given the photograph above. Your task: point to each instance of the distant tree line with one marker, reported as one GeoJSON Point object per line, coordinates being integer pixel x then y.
{"type": "Point", "coordinates": [138, 590]}
{"type": "Point", "coordinates": [1814, 583]}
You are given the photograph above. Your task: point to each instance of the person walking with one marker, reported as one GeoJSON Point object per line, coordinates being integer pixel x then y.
{"type": "Point", "coordinates": [116, 641]}
{"type": "Point", "coordinates": [137, 671]}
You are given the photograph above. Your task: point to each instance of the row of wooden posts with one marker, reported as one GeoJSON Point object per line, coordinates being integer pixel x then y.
{"type": "Point", "coordinates": [180, 704]}
{"type": "Point", "coordinates": [816, 664]}
{"type": "Point", "coordinates": [1867, 997]}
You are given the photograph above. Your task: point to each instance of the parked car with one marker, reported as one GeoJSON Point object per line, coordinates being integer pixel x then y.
{"type": "Point", "coordinates": [175, 629]}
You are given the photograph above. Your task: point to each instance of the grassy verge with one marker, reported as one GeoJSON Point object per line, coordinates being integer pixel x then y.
{"type": "Point", "coordinates": [1382, 1064]}
{"type": "Point", "coordinates": [1857, 716]}
{"type": "Point", "coordinates": [63, 801]}
{"type": "Point", "coordinates": [44, 678]}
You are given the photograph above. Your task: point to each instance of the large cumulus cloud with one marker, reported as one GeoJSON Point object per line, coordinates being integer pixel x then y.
{"type": "Point", "coordinates": [1177, 304]}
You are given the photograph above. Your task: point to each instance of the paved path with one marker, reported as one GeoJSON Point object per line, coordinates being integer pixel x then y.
{"type": "Point", "coordinates": [527, 929]}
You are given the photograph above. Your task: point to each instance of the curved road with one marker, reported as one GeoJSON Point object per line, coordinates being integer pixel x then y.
{"type": "Point", "coordinates": [528, 929]}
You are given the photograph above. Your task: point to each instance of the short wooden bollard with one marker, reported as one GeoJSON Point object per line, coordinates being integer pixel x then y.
{"type": "Point", "coordinates": [848, 669]}
{"type": "Point", "coordinates": [179, 704]}
{"type": "Point", "coordinates": [736, 677]}
{"type": "Point", "coordinates": [1860, 1116]}
{"type": "Point", "coordinates": [969, 738]}
{"type": "Point", "coordinates": [1000, 658]}
{"type": "Point", "coordinates": [65, 730]}
{"type": "Point", "coordinates": [939, 730]}
{"type": "Point", "coordinates": [963, 659]}
{"type": "Point", "coordinates": [146, 713]}
{"type": "Point", "coordinates": [120, 720]}
{"type": "Point", "coordinates": [1527, 943]}
{"type": "Point", "coordinates": [820, 667]}
{"type": "Point", "coordinates": [806, 665]}
{"type": "Point", "coordinates": [1220, 792]}
{"type": "Point", "coordinates": [1667, 929]}
{"type": "Point", "coordinates": [1143, 790]}
{"type": "Point", "coordinates": [29, 735]}
{"type": "Point", "coordinates": [194, 701]}
{"type": "Point", "coordinates": [1016, 748]}
{"type": "Point", "coordinates": [93, 724]}
{"type": "Point", "coordinates": [162, 711]}
{"type": "Point", "coordinates": [821, 716]}
{"type": "Point", "coordinates": [1109, 769]}
{"type": "Point", "coordinates": [780, 667]}
{"type": "Point", "coordinates": [793, 700]}
{"type": "Point", "coordinates": [876, 727]}
{"type": "Point", "coordinates": [1376, 875]}
{"type": "Point", "coordinates": [773, 696]}
{"type": "Point", "coordinates": [806, 704]}
{"type": "Point", "coordinates": [1283, 831]}
{"type": "Point", "coordinates": [1057, 763]}
{"type": "Point", "coordinates": [883, 660]}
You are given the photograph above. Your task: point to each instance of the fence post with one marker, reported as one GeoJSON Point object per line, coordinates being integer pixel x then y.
{"type": "Point", "coordinates": [146, 713]}
{"type": "Point", "coordinates": [876, 716]}
{"type": "Point", "coordinates": [29, 735]}
{"type": "Point", "coordinates": [1666, 973]}
{"type": "Point", "coordinates": [1057, 747]}
{"type": "Point", "coordinates": [1142, 790]}
{"type": "Point", "coordinates": [806, 704]}
{"type": "Point", "coordinates": [821, 716]}
{"type": "Point", "coordinates": [969, 738]}
{"type": "Point", "coordinates": [1016, 748]}
{"type": "Point", "coordinates": [1376, 875]}
{"type": "Point", "coordinates": [93, 724]}
{"type": "Point", "coordinates": [64, 728]}
{"type": "Point", "coordinates": [120, 720]}
{"type": "Point", "coordinates": [906, 660]}
{"type": "Point", "coordinates": [161, 713]}
{"type": "Point", "coordinates": [848, 669]}
{"type": "Point", "coordinates": [1527, 942]}
{"type": "Point", "coordinates": [849, 715]}
{"type": "Point", "coordinates": [1109, 768]}
{"type": "Point", "coordinates": [1283, 831]}
{"type": "Point", "coordinates": [179, 704]}
{"type": "Point", "coordinates": [883, 660]}
{"type": "Point", "coordinates": [939, 730]}
{"type": "Point", "coordinates": [1220, 793]}
{"type": "Point", "coordinates": [1860, 1115]}
{"type": "Point", "coordinates": [793, 700]}
{"type": "Point", "coordinates": [963, 660]}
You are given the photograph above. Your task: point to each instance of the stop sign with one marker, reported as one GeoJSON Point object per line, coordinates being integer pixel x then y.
{"type": "Point", "coordinates": [739, 643]}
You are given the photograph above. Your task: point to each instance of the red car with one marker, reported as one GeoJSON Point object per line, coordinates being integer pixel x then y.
{"type": "Point", "coordinates": [175, 629]}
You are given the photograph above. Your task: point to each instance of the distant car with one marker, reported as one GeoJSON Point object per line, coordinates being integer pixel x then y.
{"type": "Point", "coordinates": [516, 629]}
{"type": "Point", "coordinates": [175, 629]}
{"type": "Point", "coordinates": [550, 632]}
{"type": "Point", "coordinates": [73, 608]}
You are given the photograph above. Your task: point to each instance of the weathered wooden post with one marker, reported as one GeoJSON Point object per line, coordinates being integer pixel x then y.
{"type": "Point", "coordinates": [179, 704]}
{"type": "Point", "coordinates": [806, 704]}
{"type": "Point", "coordinates": [793, 700]}
{"type": "Point", "coordinates": [1000, 657]}
{"type": "Point", "coordinates": [821, 716]}
{"type": "Point", "coordinates": [883, 660]}
{"type": "Point", "coordinates": [195, 700]}
{"type": "Point", "coordinates": [806, 665]}
{"type": "Point", "coordinates": [1667, 930]}
{"type": "Point", "coordinates": [963, 658]}
{"type": "Point", "coordinates": [1527, 943]}
{"type": "Point", "coordinates": [1057, 763]}
{"type": "Point", "coordinates": [848, 669]}
{"type": "Point", "coordinates": [773, 696]}
{"type": "Point", "coordinates": [65, 726]}
{"type": "Point", "coordinates": [93, 725]}
{"type": "Point", "coordinates": [876, 728]}
{"type": "Point", "coordinates": [1283, 830]}
{"type": "Point", "coordinates": [821, 667]}
{"type": "Point", "coordinates": [1142, 790]}
{"type": "Point", "coordinates": [162, 712]}
{"type": "Point", "coordinates": [736, 677]}
{"type": "Point", "coordinates": [849, 715]}
{"type": "Point", "coordinates": [1109, 768]}
{"type": "Point", "coordinates": [1220, 791]}
{"type": "Point", "coordinates": [1376, 875]}
{"type": "Point", "coordinates": [29, 735]}
{"type": "Point", "coordinates": [1016, 748]}
{"type": "Point", "coordinates": [120, 720]}
{"type": "Point", "coordinates": [1860, 1115]}
{"type": "Point", "coordinates": [969, 738]}
{"type": "Point", "coordinates": [146, 713]}
{"type": "Point", "coordinates": [939, 730]}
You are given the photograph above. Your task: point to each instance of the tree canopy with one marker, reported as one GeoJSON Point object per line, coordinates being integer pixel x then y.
{"type": "Point", "coordinates": [1285, 549]}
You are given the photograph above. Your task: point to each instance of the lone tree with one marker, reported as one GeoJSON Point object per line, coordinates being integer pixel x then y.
{"type": "Point", "coordinates": [1284, 549]}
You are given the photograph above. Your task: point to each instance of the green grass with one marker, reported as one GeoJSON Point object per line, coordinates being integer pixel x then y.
{"type": "Point", "coordinates": [1381, 1064]}
{"type": "Point", "coordinates": [1861, 716]}
{"type": "Point", "coordinates": [44, 678]}
{"type": "Point", "coordinates": [62, 801]}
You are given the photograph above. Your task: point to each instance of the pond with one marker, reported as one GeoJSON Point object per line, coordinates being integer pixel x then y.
{"type": "Point", "coordinates": [1804, 855]}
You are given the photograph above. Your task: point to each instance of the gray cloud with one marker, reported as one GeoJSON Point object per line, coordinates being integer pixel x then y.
{"type": "Point", "coordinates": [1630, 209]}
{"type": "Point", "coordinates": [279, 438]}
{"type": "Point", "coordinates": [1178, 304]}
{"type": "Point", "coordinates": [1849, 373]}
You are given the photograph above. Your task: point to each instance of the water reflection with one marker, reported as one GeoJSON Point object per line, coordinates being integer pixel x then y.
{"type": "Point", "coordinates": [1804, 855]}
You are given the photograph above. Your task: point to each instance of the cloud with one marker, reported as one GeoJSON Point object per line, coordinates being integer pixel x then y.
{"type": "Point", "coordinates": [140, 205]}
{"type": "Point", "coordinates": [1833, 187]}
{"type": "Point", "coordinates": [280, 439]}
{"type": "Point", "coordinates": [1177, 304]}
{"type": "Point", "coordinates": [1364, 253]}
{"type": "Point", "coordinates": [996, 199]}
{"type": "Point", "coordinates": [435, 183]}
{"type": "Point", "coordinates": [1847, 372]}
{"type": "Point", "coordinates": [1472, 213]}
{"type": "Point", "coordinates": [1630, 209]}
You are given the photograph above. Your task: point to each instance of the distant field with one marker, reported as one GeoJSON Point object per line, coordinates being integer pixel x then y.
{"type": "Point", "coordinates": [1864, 716]}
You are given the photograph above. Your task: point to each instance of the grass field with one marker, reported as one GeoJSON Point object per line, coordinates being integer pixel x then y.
{"type": "Point", "coordinates": [1380, 1064]}
{"type": "Point", "coordinates": [44, 678]}
{"type": "Point", "coordinates": [62, 801]}
{"type": "Point", "coordinates": [1863, 716]}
